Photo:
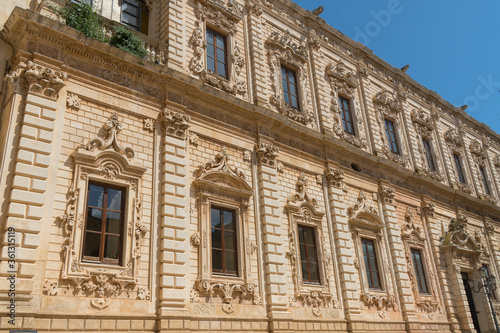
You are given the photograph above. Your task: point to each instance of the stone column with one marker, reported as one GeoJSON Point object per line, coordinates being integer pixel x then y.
{"type": "Point", "coordinates": [259, 66]}
{"type": "Point", "coordinates": [174, 261]}
{"type": "Point", "coordinates": [398, 256]}
{"type": "Point", "coordinates": [274, 253]}
{"type": "Point", "coordinates": [29, 206]}
{"type": "Point", "coordinates": [344, 245]}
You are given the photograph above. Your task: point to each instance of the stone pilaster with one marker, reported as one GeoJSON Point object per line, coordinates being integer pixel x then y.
{"type": "Point", "coordinates": [259, 66]}
{"type": "Point", "coordinates": [174, 258]}
{"type": "Point", "coordinates": [399, 263]}
{"type": "Point", "coordinates": [343, 242]}
{"type": "Point", "coordinates": [30, 198]}
{"type": "Point", "coordinates": [274, 253]}
{"type": "Point", "coordinates": [172, 31]}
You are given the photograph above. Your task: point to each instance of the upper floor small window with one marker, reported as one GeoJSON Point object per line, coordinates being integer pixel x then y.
{"type": "Point", "coordinates": [217, 53]}
{"type": "Point", "coordinates": [135, 15]}
{"type": "Point", "coordinates": [290, 91]}
{"type": "Point", "coordinates": [428, 154]}
{"type": "Point", "coordinates": [347, 121]}
{"type": "Point", "coordinates": [460, 170]}
{"type": "Point", "coordinates": [484, 176]}
{"type": "Point", "coordinates": [224, 241]}
{"type": "Point", "coordinates": [308, 254]}
{"type": "Point", "coordinates": [390, 131]}
{"type": "Point", "coordinates": [104, 223]}
{"type": "Point", "coordinates": [371, 263]}
{"type": "Point", "coordinates": [418, 266]}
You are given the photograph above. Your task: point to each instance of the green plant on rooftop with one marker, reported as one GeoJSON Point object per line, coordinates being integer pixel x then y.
{"type": "Point", "coordinates": [126, 40]}
{"type": "Point", "coordinates": [81, 17]}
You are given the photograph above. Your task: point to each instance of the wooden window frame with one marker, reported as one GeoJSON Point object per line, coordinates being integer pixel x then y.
{"type": "Point", "coordinates": [313, 229]}
{"type": "Point", "coordinates": [343, 111]}
{"type": "Point", "coordinates": [431, 163]}
{"type": "Point", "coordinates": [287, 80]}
{"type": "Point", "coordinates": [214, 56]}
{"type": "Point", "coordinates": [142, 8]}
{"type": "Point", "coordinates": [224, 272]}
{"type": "Point", "coordinates": [393, 144]}
{"type": "Point", "coordinates": [103, 233]}
{"type": "Point", "coordinates": [459, 167]}
{"type": "Point", "coordinates": [368, 268]}
{"type": "Point", "coordinates": [419, 279]}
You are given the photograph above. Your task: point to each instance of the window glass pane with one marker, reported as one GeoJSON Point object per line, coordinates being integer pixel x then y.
{"type": "Point", "coordinates": [113, 223]}
{"type": "Point", "coordinates": [287, 100]}
{"type": "Point", "coordinates": [293, 90]}
{"type": "Point", "coordinates": [294, 102]}
{"type": "Point", "coordinates": [220, 41]}
{"type": "Point", "coordinates": [92, 244]}
{"type": "Point", "coordinates": [305, 271]}
{"type": "Point", "coordinates": [229, 240]}
{"type": "Point", "coordinates": [310, 236]}
{"type": "Point", "coordinates": [302, 250]}
{"type": "Point", "coordinates": [230, 261]}
{"type": "Point", "coordinates": [216, 239]}
{"type": "Point", "coordinates": [228, 220]}
{"type": "Point", "coordinates": [313, 268]}
{"type": "Point", "coordinates": [210, 50]}
{"type": "Point", "coordinates": [311, 251]}
{"type": "Point", "coordinates": [215, 218]}
{"type": "Point", "coordinates": [301, 235]}
{"type": "Point", "coordinates": [375, 282]}
{"type": "Point", "coordinates": [94, 219]}
{"type": "Point", "coordinates": [216, 260]}
{"type": "Point", "coordinates": [283, 73]}
{"type": "Point", "coordinates": [285, 85]}
{"type": "Point", "coordinates": [114, 199]}
{"type": "Point", "coordinates": [96, 196]}
{"type": "Point", "coordinates": [112, 247]}
{"type": "Point", "coordinates": [291, 76]}
{"type": "Point", "coordinates": [221, 55]}
{"type": "Point", "coordinates": [210, 36]}
{"type": "Point", "coordinates": [221, 69]}
{"type": "Point", "coordinates": [211, 64]}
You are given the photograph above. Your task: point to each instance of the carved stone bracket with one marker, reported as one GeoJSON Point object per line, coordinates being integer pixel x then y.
{"type": "Point", "coordinates": [429, 208]}
{"type": "Point", "coordinates": [228, 291]}
{"type": "Point", "coordinates": [175, 123]}
{"type": "Point", "coordinates": [44, 80]}
{"type": "Point", "coordinates": [334, 176]}
{"type": "Point", "coordinates": [380, 302]}
{"type": "Point", "coordinates": [253, 7]}
{"type": "Point", "coordinates": [266, 154]}
{"type": "Point", "coordinates": [387, 194]}
{"type": "Point", "coordinates": [113, 128]}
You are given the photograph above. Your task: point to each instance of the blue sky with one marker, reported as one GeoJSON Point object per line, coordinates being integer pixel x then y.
{"type": "Point", "coordinates": [452, 46]}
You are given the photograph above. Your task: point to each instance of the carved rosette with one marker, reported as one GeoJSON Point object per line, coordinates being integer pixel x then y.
{"type": "Point", "coordinates": [175, 123]}
{"type": "Point", "coordinates": [44, 80]}
{"type": "Point", "coordinates": [283, 50]}
{"type": "Point", "coordinates": [72, 100]}
{"type": "Point", "coordinates": [266, 154]}
{"type": "Point", "coordinates": [225, 16]}
{"type": "Point", "coordinates": [334, 176]}
{"type": "Point", "coordinates": [387, 194]}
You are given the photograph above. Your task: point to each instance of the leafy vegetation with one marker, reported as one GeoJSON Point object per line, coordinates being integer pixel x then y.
{"type": "Point", "coordinates": [81, 17]}
{"type": "Point", "coordinates": [126, 40]}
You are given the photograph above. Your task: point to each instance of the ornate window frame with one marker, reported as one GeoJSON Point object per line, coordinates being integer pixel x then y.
{"type": "Point", "coordinates": [223, 185]}
{"type": "Point", "coordinates": [455, 146]}
{"type": "Point", "coordinates": [302, 209]}
{"type": "Point", "coordinates": [424, 127]}
{"type": "Point", "coordinates": [389, 108]}
{"type": "Point", "coordinates": [105, 161]}
{"type": "Point", "coordinates": [365, 222]}
{"type": "Point", "coordinates": [344, 83]}
{"type": "Point", "coordinates": [284, 51]}
{"type": "Point", "coordinates": [413, 238]}
{"type": "Point", "coordinates": [224, 18]}
{"type": "Point", "coordinates": [480, 158]}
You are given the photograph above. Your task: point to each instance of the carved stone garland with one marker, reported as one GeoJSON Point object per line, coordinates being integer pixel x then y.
{"type": "Point", "coordinates": [413, 239]}
{"type": "Point", "coordinates": [221, 183]}
{"type": "Point", "coordinates": [344, 83]}
{"type": "Point", "coordinates": [455, 144]}
{"type": "Point", "coordinates": [388, 108]}
{"type": "Point", "coordinates": [302, 209]}
{"type": "Point", "coordinates": [110, 161]}
{"type": "Point", "coordinates": [424, 127]}
{"type": "Point", "coordinates": [225, 16]}
{"type": "Point", "coordinates": [284, 51]}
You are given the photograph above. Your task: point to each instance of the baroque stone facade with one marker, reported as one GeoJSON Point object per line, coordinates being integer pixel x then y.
{"type": "Point", "coordinates": [334, 228]}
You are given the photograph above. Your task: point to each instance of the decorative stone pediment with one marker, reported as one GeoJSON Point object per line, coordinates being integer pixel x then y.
{"type": "Point", "coordinates": [44, 80]}
{"type": "Point", "coordinates": [286, 43]}
{"type": "Point", "coordinates": [302, 195]}
{"type": "Point", "coordinates": [479, 153]}
{"type": "Point", "coordinates": [459, 239]}
{"type": "Point", "coordinates": [266, 154]}
{"type": "Point", "coordinates": [113, 128]}
{"type": "Point", "coordinates": [363, 213]}
{"type": "Point", "coordinates": [110, 162]}
{"type": "Point", "coordinates": [224, 14]}
{"type": "Point", "coordinates": [453, 139]}
{"type": "Point", "coordinates": [342, 79]}
{"type": "Point", "coordinates": [423, 123]}
{"type": "Point", "coordinates": [386, 103]}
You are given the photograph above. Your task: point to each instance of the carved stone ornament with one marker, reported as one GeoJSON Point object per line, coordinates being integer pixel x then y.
{"type": "Point", "coordinates": [429, 208]}
{"type": "Point", "coordinates": [334, 176]}
{"type": "Point", "coordinates": [149, 124]}
{"type": "Point", "coordinates": [386, 103]}
{"type": "Point", "coordinates": [227, 291]}
{"type": "Point", "coordinates": [253, 7]}
{"type": "Point", "coordinates": [479, 153]}
{"type": "Point", "coordinates": [73, 101]}
{"type": "Point", "coordinates": [496, 161]}
{"type": "Point", "coordinates": [409, 225]}
{"type": "Point", "coordinates": [284, 51]}
{"type": "Point", "coordinates": [194, 139]}
{"type": "Point", "coordinates": [113, 128]}
{"type": "Point", "coordinates": [175, 123]}
{"type": "Point", "coordinates": [266, 154]}
{"type": "Point", "coordinates": [301, 188]}
{"type": "Point", "coordinates": [453, 139]}
{"type": "Point", "coordinates": [459, 244]}
{"type": "Point", "coordinates": [423, 123]}
{"type": "Point", "coordinates": [387, 194]}
{"type": "Point", "coordinates": [44, 80]}
{"type": "Point", "coordinates": [380, 302]}
{"type": "Point", "coordinates": [220, 164]}
{"type": "Point", "coordinates": [361, 207]}
{"type": "Point", "coordinates": [342, 79]}
{"type": "Point", "coordinates": [225, 15]}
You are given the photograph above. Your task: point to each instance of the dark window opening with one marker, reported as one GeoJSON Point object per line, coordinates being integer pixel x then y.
{"type": "Point", "coordinates": [484, 176]}
{"type": "Point", "coordinates": [290, 89]}
{"type": "Point", "coordinates": [103, 237]}
{"type": "Point", "coordinates": [135, 15]}
{"type": "Point", "coordinates": [371, 263]}
{"type": "Point", "coordinates": [428, 154]}
{"type": "Point", "coordinates": [460, 170]}
{"type": "Point", "coordinates": [217, 53]}
{"type": "Point", "coordinates": [308, 254]}
{"type": "Point", "coordinates": [347, 121]}
{"type": "Point", "coordinates": [390, 131]}
{"type": "Point", "coordinates": [224, 241]}
{"type": "Point", "coordinates": [419, 271]}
